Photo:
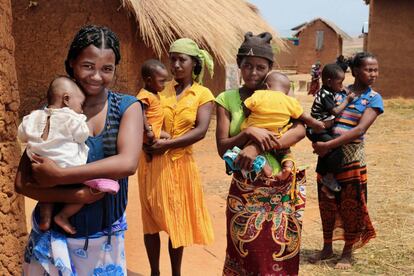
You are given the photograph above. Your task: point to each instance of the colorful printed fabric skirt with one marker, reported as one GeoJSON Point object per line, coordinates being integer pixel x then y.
{"type": "Point", "coordinates": [51, 253]}
{"type": "Point", "coordinates": [346, 217]}
{"type": "Point", "coordinates": [264, 226]}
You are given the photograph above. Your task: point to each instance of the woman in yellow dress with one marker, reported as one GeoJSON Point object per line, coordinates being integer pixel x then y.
{"type": "Point", "coordinates": [174, 197]}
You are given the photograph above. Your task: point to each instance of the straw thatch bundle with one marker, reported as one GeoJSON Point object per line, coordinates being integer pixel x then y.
{"type": "Point", "coordinates": [218, 25]}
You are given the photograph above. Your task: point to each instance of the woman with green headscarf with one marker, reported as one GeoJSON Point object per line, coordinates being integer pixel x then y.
{"type": "Point", "coordinates": [175, 203]}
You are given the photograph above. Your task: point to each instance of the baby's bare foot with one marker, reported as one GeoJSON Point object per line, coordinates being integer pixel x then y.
{"type": "Point", "coordinates": [327, 192]}
{"type": "Point", "coordinates": [63, 222]}
{"type": "Point", "coordinates": [44, 224]}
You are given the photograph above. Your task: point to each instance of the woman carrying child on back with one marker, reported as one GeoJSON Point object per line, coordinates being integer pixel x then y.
{"type": "Point", "coordinates": [345, 217]}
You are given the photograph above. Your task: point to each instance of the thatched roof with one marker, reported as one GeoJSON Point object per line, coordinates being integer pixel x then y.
{"type": "Point", "coordinates": [217, 25]}
{"type": "Point", "coordinates": [330, 24]}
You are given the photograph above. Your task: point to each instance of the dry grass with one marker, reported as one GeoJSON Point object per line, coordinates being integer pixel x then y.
{"type": "Point", "coordinates": [213, 24]}
{"type": "Point", "coordinates": [390, 158]}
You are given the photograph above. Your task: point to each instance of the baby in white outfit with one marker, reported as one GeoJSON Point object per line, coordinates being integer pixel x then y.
{"type": "Point", "coordinates": [59, 132]}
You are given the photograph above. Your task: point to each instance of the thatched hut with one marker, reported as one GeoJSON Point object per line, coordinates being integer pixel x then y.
{"type": "Point", "coordinates": [392, 40]}
{"type": "Point", "coordinates": [319, 40]}
{"type": "Point", "coordinates": [43, 30]}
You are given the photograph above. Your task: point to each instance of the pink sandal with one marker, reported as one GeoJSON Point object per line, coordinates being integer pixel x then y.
{"type": "Point", "coordinates": [103, 185]}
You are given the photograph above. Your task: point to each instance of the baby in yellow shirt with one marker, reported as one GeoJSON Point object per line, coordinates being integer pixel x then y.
{"type": "Point", "coordinates": [273, 109]}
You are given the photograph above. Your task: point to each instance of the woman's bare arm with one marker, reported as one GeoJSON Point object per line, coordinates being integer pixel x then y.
{"type": "Point", "coordinates": [266, 140]}
{"type": "Point", "coordinates": [124, 163]}
{"type": "Point", "coordinates": [25, 185]}
{"type": "Point", "coordinates": [296, 133]}
{"type": "Point", "coordinates": [367, 119]}
{"type": "Point", "coordinates": [192, 136]}
{"type": "Point", "coordinates": [223, 139]}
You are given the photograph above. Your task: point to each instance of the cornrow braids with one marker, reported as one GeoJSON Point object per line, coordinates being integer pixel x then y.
{"type": "Point", "coordinates": [100, 37]}
{"type": "Point", "coordinates": [358, 59]}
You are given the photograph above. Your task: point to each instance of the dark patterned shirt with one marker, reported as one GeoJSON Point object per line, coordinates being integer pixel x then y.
{"type": "Point", "coordinates": [323, 104]}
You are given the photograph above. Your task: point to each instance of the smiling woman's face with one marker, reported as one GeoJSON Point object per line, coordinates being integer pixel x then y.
{"type": "Point", "coordinates": [94, 69]}
{"type": "Point", "coordinates": [253, 71]}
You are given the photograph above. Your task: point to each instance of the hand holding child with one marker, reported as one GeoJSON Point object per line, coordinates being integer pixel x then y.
{"type": "Point", "coordinates": [350, 97]}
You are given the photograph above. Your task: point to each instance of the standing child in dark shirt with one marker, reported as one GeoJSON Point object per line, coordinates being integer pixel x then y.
{"type": "Point", "coordinates": [324, 109]}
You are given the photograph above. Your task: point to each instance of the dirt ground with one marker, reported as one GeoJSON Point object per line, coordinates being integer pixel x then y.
{"type": "Point", "coordinates": [390, 156]}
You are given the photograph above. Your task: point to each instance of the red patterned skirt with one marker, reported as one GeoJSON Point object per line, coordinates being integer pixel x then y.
{"type": "Point", "coordinates": [264, 226]}
{"type": "Point", "coordinates": [346, 217]}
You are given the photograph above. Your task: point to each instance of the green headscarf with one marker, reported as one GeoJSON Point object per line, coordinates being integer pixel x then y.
{"type": "Point", "coordinates": [189, 47]}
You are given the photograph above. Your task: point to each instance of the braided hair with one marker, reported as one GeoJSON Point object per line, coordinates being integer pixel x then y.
{"type": "Point", "coordinates": [101, 37]}
{"type": "Point", "coordinates": [358, 59]}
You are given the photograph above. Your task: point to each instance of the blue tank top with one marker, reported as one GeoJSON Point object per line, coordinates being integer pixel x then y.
{"type": "Point", "coordinates": [98, 216]}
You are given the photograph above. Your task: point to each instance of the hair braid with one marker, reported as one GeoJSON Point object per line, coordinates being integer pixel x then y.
{"type": "Point", "coordinates": [101, 37]}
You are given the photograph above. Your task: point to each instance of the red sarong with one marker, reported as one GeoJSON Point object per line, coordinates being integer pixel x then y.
{"type": "Point", "coordinates": [264, 226]}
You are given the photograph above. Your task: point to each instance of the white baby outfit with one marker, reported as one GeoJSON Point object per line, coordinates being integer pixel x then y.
{"type": "Point", "coordinates": [65, 143]}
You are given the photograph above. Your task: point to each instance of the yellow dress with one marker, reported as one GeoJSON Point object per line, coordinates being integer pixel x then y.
{"type": "Point", "coordinates": [172, 190]}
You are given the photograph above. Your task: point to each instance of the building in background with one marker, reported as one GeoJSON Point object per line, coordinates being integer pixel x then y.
{"type": "Point", "coordinates": [391, 39]}
{"type": "Point", "coordinates": [317, 40]}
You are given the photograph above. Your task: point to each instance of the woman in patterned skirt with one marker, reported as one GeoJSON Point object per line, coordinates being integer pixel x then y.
{"type": "Point", "coordinates": [345, 217]}
{"type": "Point", "coordinates": [264, 216]}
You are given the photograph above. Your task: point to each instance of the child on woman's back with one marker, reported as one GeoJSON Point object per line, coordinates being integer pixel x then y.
{"type": "Point", "coordinates": [59, 132]}
{"type": "Point", "coordinates": [272, 109]}
{"type": "Point", "coordinates": [154, 74]}
{"type": "Point", "coordinates": [324, 109]}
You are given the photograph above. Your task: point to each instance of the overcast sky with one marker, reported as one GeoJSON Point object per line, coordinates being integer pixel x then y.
{"type": "Point", "coordinates": [349, 15]}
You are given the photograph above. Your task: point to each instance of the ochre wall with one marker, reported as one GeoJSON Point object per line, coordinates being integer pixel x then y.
{"type": "Point", "coordinates": [306, 50]}
{"type": "Point", "coordinates": [43, 34]}
{"type": "Point", "coordinates": [391, 39]}
{"type": "Point", "coordinates": [13, 234]}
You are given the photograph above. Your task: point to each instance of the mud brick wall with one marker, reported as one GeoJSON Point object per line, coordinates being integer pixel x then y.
{"type": "Point", "coordinates": [13, 234]}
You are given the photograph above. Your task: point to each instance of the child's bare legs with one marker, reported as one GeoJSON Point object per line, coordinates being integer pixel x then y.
{"type": "Point", "coordinates": [287, 167]}
{"type": "Point", "coordinates": [62, 218]}
{"type": "Point", "coordinates": [45, 210]}
{"type": "Point", "coordinates": [267, 170]}
{"type": "Point", "coordinates": [329, 194]}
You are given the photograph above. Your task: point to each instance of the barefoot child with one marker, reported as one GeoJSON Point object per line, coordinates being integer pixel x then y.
{"type": "Point", "coordinates": [154, 75]}
{"type": "Point", "coordinates": [324, 109]}
{"type": "Point", "coordinates": [59, 132]}
{"type": "Point", "coordinates": [272, 109]}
